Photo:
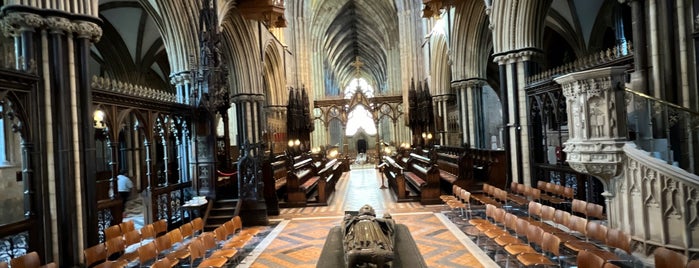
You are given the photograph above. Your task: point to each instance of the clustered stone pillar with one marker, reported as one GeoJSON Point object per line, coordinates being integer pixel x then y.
{"type": "Point", "coordinates": [440, 103]}
{"type": "Point", "coordinates": [62, 40]}
{"type": "Point", "coordinates": [183, 86]}
{"type": "Point", "coordinates": [596, 124]}
{"type": "Point", "coordinates": [513, 65]}
{"type": "Point", "coordinates": [251, 117]}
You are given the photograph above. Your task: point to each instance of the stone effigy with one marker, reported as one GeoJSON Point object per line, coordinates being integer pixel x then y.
{"type": "Point", "coordinates": [368, 241]}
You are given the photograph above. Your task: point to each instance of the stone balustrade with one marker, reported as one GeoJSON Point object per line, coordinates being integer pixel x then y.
{"type": "Point", "coordinates": [107, 84]}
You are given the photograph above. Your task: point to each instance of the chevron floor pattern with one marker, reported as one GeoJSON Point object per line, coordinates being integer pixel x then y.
{"type": "Point", "coordinates": [303, 232]}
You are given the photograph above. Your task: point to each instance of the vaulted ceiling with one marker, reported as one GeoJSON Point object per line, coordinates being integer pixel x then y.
{"type": "Point", "coordinates": [131, 48]}
{"type": "Point", "coordinates": [358, 30]}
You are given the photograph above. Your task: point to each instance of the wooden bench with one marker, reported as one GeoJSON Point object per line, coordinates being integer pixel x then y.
{"type": "Point", "coordinates": [455, 167]}
{"type": "Point", "coordinates": [423, 176]}
{"type": "Point", "coordinates": [328, 175]}
{"type": "Point", "coordinates": [274, 176]}
{"type": "Point", "coordinates": [394, 176]}
{"type": "Point", "coordinates": [301, 181]}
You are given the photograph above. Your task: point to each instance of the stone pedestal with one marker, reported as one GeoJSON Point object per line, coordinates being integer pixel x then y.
{"type": "Point", "coordinates": [596, 121]}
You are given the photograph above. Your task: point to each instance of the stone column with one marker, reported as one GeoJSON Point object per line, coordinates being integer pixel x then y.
{"type": "Point", "coordinates": [461, 101]}
{"type": "Point", "coordinates": [514, 65]}
{"type": "Point", "coordinates": [472, 89]}
{"type": "Point", "coordinates": [596, 124]}
{"type": "Point", "coordinates": [183, 86]}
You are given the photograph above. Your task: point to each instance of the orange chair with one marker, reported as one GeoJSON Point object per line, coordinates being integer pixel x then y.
{"type": "Point", "coordinates": [665, 258]}
{"type": "Point", "coordinates": [30, 260]}
{"type": "Point", "coordinates": [196, 248]}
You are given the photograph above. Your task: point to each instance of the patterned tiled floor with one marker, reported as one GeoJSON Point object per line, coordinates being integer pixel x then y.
{"type": "Point", "coordinates": [303, 230]}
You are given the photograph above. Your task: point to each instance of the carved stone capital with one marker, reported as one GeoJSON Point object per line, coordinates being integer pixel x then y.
{"type": "Point", "coordinates": [59, 25]}
{"type": "Point", "coordinates": [15, 23]}
{"type": "Point", "coordinates": [89, 30]}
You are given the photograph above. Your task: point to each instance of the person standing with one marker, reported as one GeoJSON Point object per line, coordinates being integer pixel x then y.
{"type": "Point", "coordinates": [124, 186]}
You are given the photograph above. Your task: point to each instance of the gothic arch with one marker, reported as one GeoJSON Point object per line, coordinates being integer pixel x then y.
{"type": "Point", "coordinates": [274, 76]}
{"type": "Point", "coordinates": [178, 25]}
{"type": "Point", "coordinates": [243, 57]}
{"type": "Point", "coordinates": [441, 71]}
{"type": "Point", "coordinates": [527, 16]}
{"type": "Point", "coordinates": [472, 41]}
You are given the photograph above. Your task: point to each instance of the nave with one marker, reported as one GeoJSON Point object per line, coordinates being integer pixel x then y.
{"type": "Point", "coordinates": [298, 234]}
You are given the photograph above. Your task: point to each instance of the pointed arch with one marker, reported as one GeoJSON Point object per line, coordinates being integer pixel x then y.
{"type": "Point", "coordinates": [441, 71]}
{"type": "Point", "coordinates": [472, 41]}
{"type": "Point", "coordinates": [274, 77]}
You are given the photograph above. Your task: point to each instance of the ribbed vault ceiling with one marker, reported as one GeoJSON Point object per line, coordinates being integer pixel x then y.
{"type": "Point", "coordinates": [362, 30]}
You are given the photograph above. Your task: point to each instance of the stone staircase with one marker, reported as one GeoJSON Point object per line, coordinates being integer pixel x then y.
{"type": "Point", "coordinates": [222, 211]}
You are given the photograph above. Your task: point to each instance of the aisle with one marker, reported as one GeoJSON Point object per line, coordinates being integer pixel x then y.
{"type": "Point", "coordinates": [298, 238]}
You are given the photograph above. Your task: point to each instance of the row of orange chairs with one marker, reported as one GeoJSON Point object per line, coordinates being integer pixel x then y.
{"type": "Point", "coordinates": [30, 260]}
{"type": "Point", "coordinates": [209, 249]}
{"type": "Point", "coordinates": [123, 241]}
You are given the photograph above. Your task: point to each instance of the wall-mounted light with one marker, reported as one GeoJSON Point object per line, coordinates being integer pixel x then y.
{"type": "Point", "coordinates": [98, 117]}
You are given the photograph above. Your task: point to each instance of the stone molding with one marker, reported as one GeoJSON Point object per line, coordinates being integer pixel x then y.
{"type": "Point", "coordinates": [17, 22]}
{"type": "Point", "coordinates": [596, 121]}
{"type": "Point", "coordinates": [248, 98]}
{"type": "Point", "coordinates": [107, 84]}
{"type": "Point", "coordinates": [516, 56]}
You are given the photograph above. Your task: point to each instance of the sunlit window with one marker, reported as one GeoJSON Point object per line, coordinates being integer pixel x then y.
{"type": "Point", "coordinates": [359, 84]}
{"type": "Point", "coordinates": [359, 117]}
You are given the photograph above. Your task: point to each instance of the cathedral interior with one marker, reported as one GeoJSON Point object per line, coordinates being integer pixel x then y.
{"type": "Point", "coordinates": [248, 133]}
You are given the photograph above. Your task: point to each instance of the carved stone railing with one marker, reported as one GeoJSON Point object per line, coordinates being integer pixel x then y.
{"type": "Point", "coordinates": [656, 203]}
{"type": "Point", "coordinates": [653, 201]}
{"type": "Point", "coordinates": [107, 84]}
{"type": "Point", "coordinates": [600, 58]}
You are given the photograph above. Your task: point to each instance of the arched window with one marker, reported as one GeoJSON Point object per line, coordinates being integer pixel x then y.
{"type": "Point", "coordinates": [360, 117]}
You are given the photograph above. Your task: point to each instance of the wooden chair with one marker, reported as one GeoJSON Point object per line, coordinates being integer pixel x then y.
{"type": "Point", "coordinates": [209, 242]}
{"type": "Point", "coordinates": [186, 231]}
{"type": "Point", "coordinates": [112, 232]}
{"type": "Point", "coordinates": [523, 229]}
{"type": "Point", "coordinates": [579, 207]}
{"type": "Point", "coordinates": [594, 210]}
{"type": "Point", "coordinates": [253, 231]}
{"type": "Point", "coordinates": [148, 232]}
{"type": "Point", "coordinates": [536, 236]}
{"type": "Point", "coordinates": [95, 254]}
{"type": "Point", "coordinates": [693, 264]}
{"type": "Point", "coordinates": [507, 239]}
{"type": "Point", "coordinates": [127, 226]}
{"type": "Point", "coordinates": [163, 263]}
{"type": "Point", "coordinates": [147, 254]}
{"type": "Point", "coordinates": [561, 218]}
{"type": "Point", "coordinates": [664, 258]}
{"type": "Point", "coordinates": [596, 232]}
{"type": "Point", "coordinates": [165, 248]}
{"type": "Point", "coordinates": [534, 209]}
{"type": "Point", "coordinates": [197, 226]}
{"type": "Point", "coordinates": [196, 248]}
{"type": "Point", "coordinates": [160, 227]}
{"type": "Point", "coordinates": [132, 237]}
{"type": "Point", "coordinates": [115, 248]}
{"type": "Point", "coordinates": [587, 259]}
{"type": "Point", "coordinates": [30, 260]}
{"type": "Point", "coordinates": [96, 257]}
